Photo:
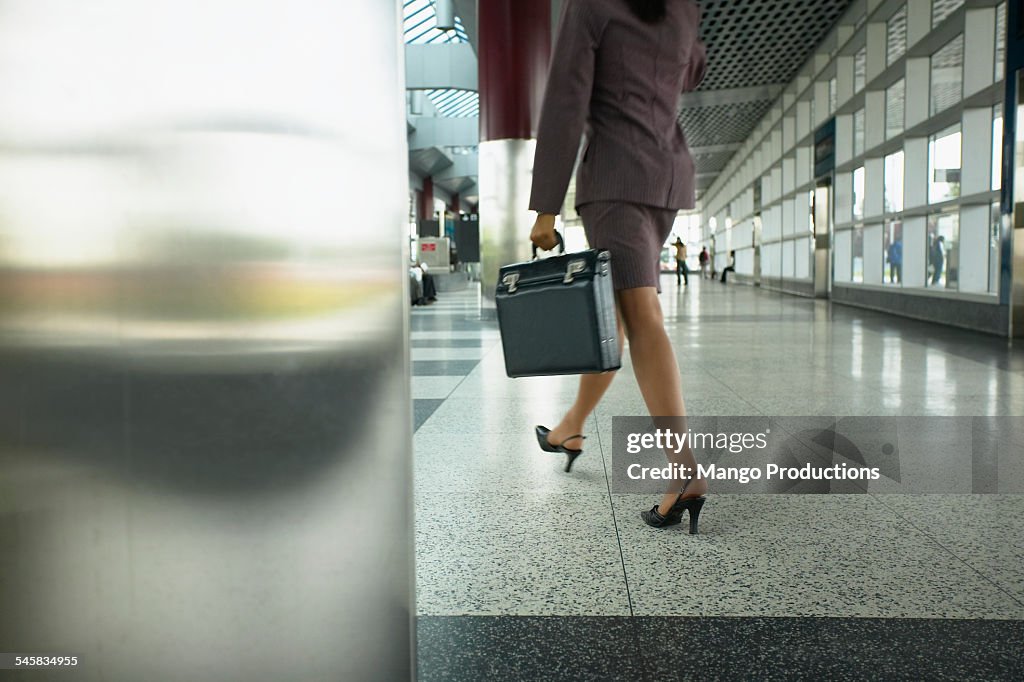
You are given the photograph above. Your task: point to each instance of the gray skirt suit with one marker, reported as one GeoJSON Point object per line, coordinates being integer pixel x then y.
{"type": "Point", "coordinates": [617, 80]}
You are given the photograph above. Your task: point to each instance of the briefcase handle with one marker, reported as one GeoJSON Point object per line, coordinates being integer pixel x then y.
{"type": "Point", "coordinates": [561, 244]}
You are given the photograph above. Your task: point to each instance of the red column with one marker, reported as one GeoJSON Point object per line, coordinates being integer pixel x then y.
{"type": "Point", "coordinates": [514, 48]}
{"type": "Point", "coordinates": [426, 200]}
{"type": "Point", "coordinates": [454, 205]}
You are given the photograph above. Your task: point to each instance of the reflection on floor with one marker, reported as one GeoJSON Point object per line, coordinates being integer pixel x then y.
{"type": "Point", "coordinates": [525, 572]}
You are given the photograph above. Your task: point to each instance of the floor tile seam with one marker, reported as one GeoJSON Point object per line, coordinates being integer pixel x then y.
{"type": "Point", "coordinates": [454, 388]}
{"type": "Point", "coordinates": [615, 524]}
{"type": "Point", "coordinates": [946, 549]}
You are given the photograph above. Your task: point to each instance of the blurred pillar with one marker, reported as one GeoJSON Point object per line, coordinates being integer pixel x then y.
{"type": "Point", "coordinates": [204, 378]}
{"type": "Point", "coordinates": [513, 52]}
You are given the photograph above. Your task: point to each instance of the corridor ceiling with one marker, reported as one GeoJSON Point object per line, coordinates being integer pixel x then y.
{"type": "Point", "coordinates": [755, 48]}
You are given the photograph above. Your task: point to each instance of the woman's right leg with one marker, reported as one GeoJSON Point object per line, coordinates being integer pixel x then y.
{"type": "Point", "coordinates": [657, 374]}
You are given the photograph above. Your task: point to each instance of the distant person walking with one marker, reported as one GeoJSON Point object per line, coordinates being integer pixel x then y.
{"type": "Point", "coordinates": [896, 261]}
{"type": "Point", "coordinates": [938, 258]}
{"type": "Point", "coordinates": [682, 270]}
{"type": "Point", "coordinates": [703, 259]}
{"type": "Point", "coordinates": [617, 69]}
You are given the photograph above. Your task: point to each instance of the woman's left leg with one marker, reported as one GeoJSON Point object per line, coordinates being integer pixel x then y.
{"type": "Point", "coordinates": [592, 388]}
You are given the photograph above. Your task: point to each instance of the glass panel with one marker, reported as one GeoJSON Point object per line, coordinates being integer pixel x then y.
{"type": "Point", "coordinates": [944, 165]}
{"type": "Point", "coordinates": [894, 182]}
{"type": "Point", "coordinates": [832, 95]}
{"type": "Point", "coordinates": [947, 75]}
{"type": "Point", "coordinates": [895, 98]}
{"type": "Point", "coordinates": [942, 9]}
{"type": "Point", "coordinates": [858, 193]}
{"type": "Point", "coordinates": [857, 255]}
{"type": "Point", "coordinates": [993, 248]}
{"type": "Point", "coordinates": [943, 234]}
{"type": "Point", "coordinates": [997, 147]}
{"type": "Point", "coordinates": [810, 214]}
{"type": "Point", "coordinates": [893, 253]}
{"type": "Point", "coordinates": [858, 132]}
{"type": "Point", "coordinates": [1000, 41]}
{"type": "Point", "coordinates": [896, 36]}
{"type": "Point", "coordinates": [860, 61]}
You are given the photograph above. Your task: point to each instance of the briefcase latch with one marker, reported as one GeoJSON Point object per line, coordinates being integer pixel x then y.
{"type": "Point", "coordinates": [574, 268]}
{"type": "Point", "coordinates": [510, 280]}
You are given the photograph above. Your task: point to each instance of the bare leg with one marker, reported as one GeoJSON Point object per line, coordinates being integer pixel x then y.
{"type": "Point", "coordinates": [592, 388]}
{"type": "Point", "coordinates": [657, 373]}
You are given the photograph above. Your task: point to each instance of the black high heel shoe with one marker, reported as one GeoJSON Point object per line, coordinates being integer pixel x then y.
{"type": "Point", "coordinates": [542, 440]}
{"type": "Point", "coordinates": [654, 518]}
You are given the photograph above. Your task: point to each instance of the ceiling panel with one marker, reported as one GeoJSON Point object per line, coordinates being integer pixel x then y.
{"type": "Point", "coordinates": [722, 123]}
{"type": "Point", "coordinates": [751, 44]}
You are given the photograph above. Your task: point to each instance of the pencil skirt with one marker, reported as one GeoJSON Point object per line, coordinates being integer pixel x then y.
{"type": "Point", "coordinates": [634, 234]}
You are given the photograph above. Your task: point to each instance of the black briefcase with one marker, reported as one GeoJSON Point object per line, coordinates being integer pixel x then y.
{"type": "Point", "coordinates": [557, 315]}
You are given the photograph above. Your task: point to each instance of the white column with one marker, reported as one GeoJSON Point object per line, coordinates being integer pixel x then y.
{"type": "Point", "coordinates": [874, 187]}
{"type": "Point", "coordinates": [976, 151]}
{"type": "Point", "coordinates": [973, 248]}
{"type": "Point", "coordinates": [873, 254]}
{"type": "Point", "coordinates": [843, 198]}
{"type": "Point", "coordinates": [803, 119]}
{"type": "Point", "coordinates": [914, 251]}
{"type": "Point", "coordinates": [821, 112]}
{"type": "Point", "coordinates": [803, 165]}
{"type": "Point", "coordinates": [874, 118]}
{"type": "Point", "coordinates": [917, 107]}
{"type": "Point", "coordinates": [844, 138]}
{"type": "Point", "coordinates": [802, 258]}
{"type": "Point", "coordinates": [919, 20]}
{"type": "Point", "coordinates": [876, 44]}
{"type": "Point", "coordinates": [844, 79]}
{"type": "Point", "coordinates": [789, 217]}
{"type": "Point", "coordinates": [843, 254]}
{"type": "Point", "coordinates": [979, 49]}
{"type": "Point", "coordinates": [788, 132]}
{"type": "Point", "coordinates": [915, 172]}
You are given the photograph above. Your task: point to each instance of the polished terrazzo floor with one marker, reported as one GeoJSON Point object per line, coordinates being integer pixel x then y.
{"type": "Point", "coordinates": [504, 538]}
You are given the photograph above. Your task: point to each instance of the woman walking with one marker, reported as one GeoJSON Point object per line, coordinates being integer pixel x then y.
{"type": "Point", "coordinates": [616, 73]}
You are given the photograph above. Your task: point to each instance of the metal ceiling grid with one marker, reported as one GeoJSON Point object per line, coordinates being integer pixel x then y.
{"type": "Point", "coordinates": [722, 123]}
{"type": "Point", "coordinates": [752, 44]}
{"type": "Point", "coordinates": [711, 162]}
{"type": "Point", "coordinates": [758, 42]}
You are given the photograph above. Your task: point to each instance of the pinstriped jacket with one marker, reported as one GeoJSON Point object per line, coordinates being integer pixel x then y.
{"type": "Point", "coordinates": [618, 79]}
